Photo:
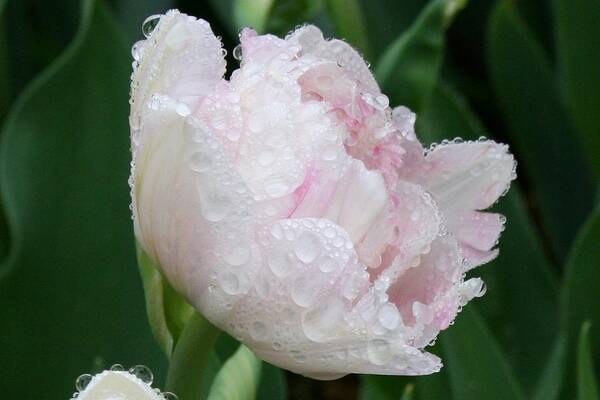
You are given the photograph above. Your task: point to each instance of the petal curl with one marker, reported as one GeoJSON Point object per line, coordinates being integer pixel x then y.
{"type": "Point", "coordinates": [463, 178]}
{"type": "Point", "coordinates": [182, 59]}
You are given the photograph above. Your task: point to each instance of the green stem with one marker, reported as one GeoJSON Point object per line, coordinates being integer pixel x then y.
{"type": "Point", "coordinates": [189, 360]}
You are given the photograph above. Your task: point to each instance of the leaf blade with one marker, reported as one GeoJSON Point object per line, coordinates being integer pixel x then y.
{"type": "Point", "coordinates": [539, 126]}
{"type": "Point", "coordinates": [587, 388]}
{"type": "Point", "coordinates": [63, 168]}
{"type": "Point", "coordinates": [243, 368]}
{"type": "Point", "coordinates": [578, 48]}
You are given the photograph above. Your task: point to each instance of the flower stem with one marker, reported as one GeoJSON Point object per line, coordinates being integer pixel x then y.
{"type": "Point", "coordinates": [188, 363]}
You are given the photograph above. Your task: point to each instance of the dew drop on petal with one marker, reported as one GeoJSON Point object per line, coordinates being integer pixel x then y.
{"type": "Point", "coordinates": [389, 316]}
{"type": "Point", "coordinates": [214, 206]}
{"type": "Point", "coordinates": [143, 373]}
{"type": "Point", "coordinates": [169, 396]}
{"type": "Point", "coordinates": [265, 158]}
{"type": "Point", "coordinates": [258, 330]}
{"type": "Point", "coordinates": [328, 264]}
{"type": "Point", "coordinates": [230, 283]}
{"type": "Point", "coordinates": [319, 322]}
{"type": "Point", "coordinates": [303, 294]}
{"type": "Point", "coordinates": [277, 346]}
{"type": "Point", "coordinates": [150, 24]}
{"type": "Point", "coordinates": [201, 162]}
{"type": "Point", "coordinates": [83, 381]}
{"type": "Point", "coordinates": [308, 247]}
{"type": "Point", "coordinates": [378, 351]}
{"type": "Point", "coordinates": [280, 263]}
{"type": "Point", "coordinates": [298, 356]}
{"type": "Point", "coordinates": [276, 186]}
{"type": "Point", "coordinates": [237, 52]}
{"type": "Point", "coordinates": [136, 50]}
{"type": "Point", "coordinates": [182, 109]}
{"type": "Point", "coordinates": [238, 255]}
{"type": "Point", "coordinates": [117, 367]}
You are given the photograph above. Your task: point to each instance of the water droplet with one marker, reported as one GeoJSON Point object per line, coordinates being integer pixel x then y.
{"type": "Point", "coordinates": [280, 263]}
{"type": "Point", "coordinates": [319, 323]}
{"type": "Point", "coordinates": [230, 283]}
{"type": "Point", "coordinates": [237, 52]}
{"type": "Point", "coordinates": [83, 381]}
{"type": "Point", "coordinates": [169, 396]}
{"type": "Point", "coordinates": [117, 367]}
{"type": "Point", "coordinates": [182, 109]}
{"type": "Point", "coordinates": [277, 346]}
{"type": "Point", "coordinates": [308, 247]}
{"type": "Point", "coordinates": [201, 162]}
{"type": "Point", "coordinates": [303, 294]}
{"type": "Point", "coordinates": [136, 50]}
{"type": "Point", "coordinates": [482, 290]}
{"type": "Point", "coordinates": [276, 186]}
{"type": "Point", "coordinates": [329, 232]}
{"type": "Point", "coordinates": [329, 154]}
{"type": "Point", "coordinates": [378, 351]}
{"type": "Point", "coordinates": [389, 316]}
{"type": "Point", "coordinates": [382, 100]}
{"type": "Point", "coordinates": [266, 158]}
{"type": "Point", "coordinates": [143, 373]}
{"type": "Point", "coordinates": [150, 24]}
{"type": "Point", "coordinates": [258, 330]}
{"type": "Point", "coordinates": [328, 264]}
{"type": "Point", "coordinates": [298, 356]}
{"type": "Point", "coordinates": [238, 255]}
{"type": "Point", "coordinates": [256, 123]}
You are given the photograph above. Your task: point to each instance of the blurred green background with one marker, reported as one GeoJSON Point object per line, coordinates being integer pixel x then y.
{"type": "Point", "coordinates": [524, 72]}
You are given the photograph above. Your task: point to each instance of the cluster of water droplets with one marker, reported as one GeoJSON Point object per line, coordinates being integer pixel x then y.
{"type": "Point", "coordinates": [302, 273]}
{"type": "Point", "coordinates": [140, 374]}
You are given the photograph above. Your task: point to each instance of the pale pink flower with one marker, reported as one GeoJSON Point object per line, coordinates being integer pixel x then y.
{"type": "Point", "coordinates": [295, 209]}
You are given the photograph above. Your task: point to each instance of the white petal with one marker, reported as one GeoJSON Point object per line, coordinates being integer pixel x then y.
{"type": "Point", "coordinates": [312, 42]}
{"type": "Point", "coordinates": [118, 385]}
{"type": "Point", "coordinates": [181, 59]}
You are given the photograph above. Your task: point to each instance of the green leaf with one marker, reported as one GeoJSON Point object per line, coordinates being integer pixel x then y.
{"type": "Point", "coordinates": [549, 384]}
{"type": "Point", "coordinates": [253, 13]}
{"type": "Point", "coordinates": [189, 363]}
{"type": "Point", "coordinates": [578, 50]}
{"type": "Point", "coordinates": [347, 17]}
{"type": "Point", "coordinates": [525, 329]}
{"type": "Point", "coordinates": [476, 365]}
{"type": "Point", "coordinates": [380, 387]}
{"type": "Point", "coordinates": [288, 14]}
{"type": "Point", "coordinates": [587, 388]}
{"type": "Point", "coordinates": [38, 31]}
{"type": "Point", "coordinates": [272, 384]}
{"type": "Point", "coordinates": [539, 126]}
{"type": "Point", "coordinates": [71, 297]}
{"type": "Point", "coordinates": [167, 311]}
{"type": "Point", "coordinates": [238, 378]}
{"type": "Point", "coordinates": [581, 286]}
{"type": "Point", "coordinates": [409, 68]}
{"type": "Point", "coordinates": [272, 16]}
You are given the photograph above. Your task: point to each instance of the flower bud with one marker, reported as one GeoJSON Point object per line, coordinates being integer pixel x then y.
{"type": "Point", "coordinates": [295, 209]}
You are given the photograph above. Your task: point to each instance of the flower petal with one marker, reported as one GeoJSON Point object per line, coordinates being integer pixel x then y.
{"type": "Point", "coordinates": [182, 59]}
{"type": "Point", "coordinates": [301, 313]}
{"type": "Point", "coordinates": [466, 176]}
{"type": "Point", "coordinates": [310, 39]}
{"type": "Point", "coordinates": [118, 385]}
{"type": "Point", "coordinates": [463, 178]}
{"type": "Point", "coordinates": [186, 191]}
